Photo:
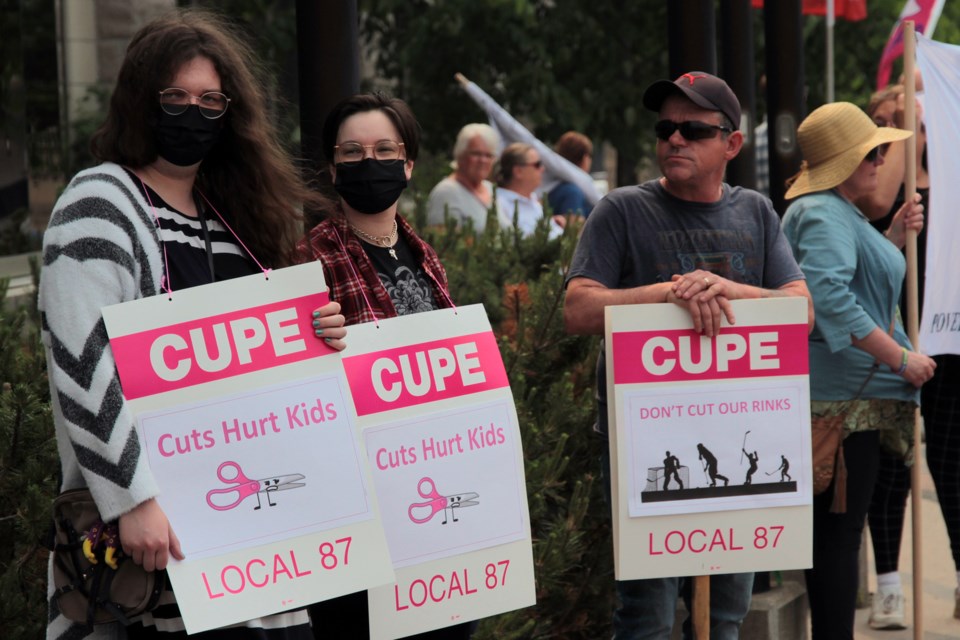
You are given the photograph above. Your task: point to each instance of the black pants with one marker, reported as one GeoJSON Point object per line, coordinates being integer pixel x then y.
{"type": "Point", "coordinates": [832, 582]}
{"type": "Point", "coordinates": [941, 415]}
{"type": "Point", "coordinates": [940, 403]}
{"type": "Point", "coordinates": [887, 511]}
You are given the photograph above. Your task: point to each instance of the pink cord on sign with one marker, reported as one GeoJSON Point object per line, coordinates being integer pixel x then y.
{"type": "Point", "coordinates": [164, 281]}
{"type": "Point", "coordinates": [266, 271]}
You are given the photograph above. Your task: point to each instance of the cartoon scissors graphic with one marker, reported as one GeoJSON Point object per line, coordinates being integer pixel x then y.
{"type": "Point", "coordinates": [241, 487]}
{"type": "Point", "coordinates": [436, 502]}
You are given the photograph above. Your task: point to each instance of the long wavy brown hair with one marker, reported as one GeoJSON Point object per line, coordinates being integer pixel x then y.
{"type": "Point", "coordinates": [247, 176]}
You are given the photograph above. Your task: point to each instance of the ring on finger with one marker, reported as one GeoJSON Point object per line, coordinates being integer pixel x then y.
{"type": "Point", "coordinates": [707, 281]}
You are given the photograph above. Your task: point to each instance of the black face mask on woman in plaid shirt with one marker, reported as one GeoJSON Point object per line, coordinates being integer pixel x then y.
{"type": "Point", "coordinates": [371, 186]}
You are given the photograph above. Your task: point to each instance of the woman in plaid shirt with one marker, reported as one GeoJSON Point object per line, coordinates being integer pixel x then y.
{"type": "Point", "coordinates": [373, 261]}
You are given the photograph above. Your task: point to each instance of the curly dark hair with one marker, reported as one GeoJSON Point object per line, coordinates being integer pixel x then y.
{"type": "Point", "coordinates": [248, 175]}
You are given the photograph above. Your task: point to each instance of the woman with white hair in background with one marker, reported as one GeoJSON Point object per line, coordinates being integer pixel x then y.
{"type": "Point", "coordinates": [466, 194]}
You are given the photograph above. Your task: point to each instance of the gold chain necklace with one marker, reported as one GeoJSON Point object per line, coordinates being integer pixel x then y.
{"type": "Point", "coordinates": [387, 242]}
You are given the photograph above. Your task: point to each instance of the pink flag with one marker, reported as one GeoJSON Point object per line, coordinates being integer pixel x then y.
{"type": "Point", "coordinates": [924, 14]}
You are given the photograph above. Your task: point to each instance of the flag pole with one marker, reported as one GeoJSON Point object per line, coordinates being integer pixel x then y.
{"type": "Point", "coordinates": [913, 325]}
{"type": "Point", "coordinates": [831, 20]}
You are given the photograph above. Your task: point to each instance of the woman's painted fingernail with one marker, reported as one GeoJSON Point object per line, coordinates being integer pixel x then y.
{"type": "Point", "coordinates": [318, 333]}
{"type": "Point", "coordinates": [316, 324]}
{"type": "Point", "coordinates": [328, 340]}
{"type": "Point", "coordinates": [316, 314]}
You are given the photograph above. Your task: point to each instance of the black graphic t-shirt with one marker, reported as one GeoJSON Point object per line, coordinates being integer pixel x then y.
{"type": "Point", "coordinates": [409, 287]}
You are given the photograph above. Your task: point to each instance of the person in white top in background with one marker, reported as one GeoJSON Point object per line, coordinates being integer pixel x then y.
{"type": "Point", "coordinates": [519, 175]}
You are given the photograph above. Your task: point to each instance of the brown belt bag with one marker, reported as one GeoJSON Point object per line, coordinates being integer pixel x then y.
{"type": "Point", "coordinates": [94, 581]}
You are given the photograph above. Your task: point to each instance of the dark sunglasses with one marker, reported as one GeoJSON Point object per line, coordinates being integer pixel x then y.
{"type": "Point", "coordinates": [875, 152]}
{"type": "Point", "coordinates": [535, 165]}
{"type": "Point", "coordinates": [690, 130]}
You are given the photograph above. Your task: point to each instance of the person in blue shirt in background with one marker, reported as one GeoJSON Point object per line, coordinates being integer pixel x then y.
{"type": "Point", "coordinates": [567, 198]}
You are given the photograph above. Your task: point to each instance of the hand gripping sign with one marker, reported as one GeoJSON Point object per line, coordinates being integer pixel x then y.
{"type": "Point", "coordinates": [692, 421]}
{"type": "Point", "coordinates": [246, 422]}
{"type": "Point", "coordinates": [441, 433]}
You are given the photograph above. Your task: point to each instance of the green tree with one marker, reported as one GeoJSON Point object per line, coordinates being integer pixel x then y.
{"type": "Point", "coordinates": [28, 472]}
{"type": "Point", "coordinates": [556, 65]}
{"type": "Point", "coordinates": [858, 48]}
{"type": "Point", "coordinates": [520, 282]}
{"type": "Point", "coordinates": [578, 64]}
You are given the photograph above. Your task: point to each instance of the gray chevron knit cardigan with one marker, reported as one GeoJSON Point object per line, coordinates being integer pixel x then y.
{"type": "Point", "coordinates": [101, 248]}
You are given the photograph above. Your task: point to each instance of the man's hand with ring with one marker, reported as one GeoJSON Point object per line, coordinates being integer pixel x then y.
{"type": "Point", "coordinates": [706, 297]}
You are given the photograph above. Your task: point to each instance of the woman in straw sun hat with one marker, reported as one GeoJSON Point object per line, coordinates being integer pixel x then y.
{"type": "Point", "coordinates": [861, 363]}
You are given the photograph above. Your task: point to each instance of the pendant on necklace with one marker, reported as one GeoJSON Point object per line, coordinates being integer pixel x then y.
{"type": "Point", "coordinates": [393, 253]}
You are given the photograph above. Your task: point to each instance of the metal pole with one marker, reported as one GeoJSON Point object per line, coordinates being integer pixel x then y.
{"type": "Point", "coordinates": [831, 21]}
{"type": "Point", "coordinates": [785, 92]}
{"type": "Point", "coordinates": [328, 59]}
{"type": "Point", "coordinates": [691, 36]}
{"type": "Point", "coordinates": [736, 54]}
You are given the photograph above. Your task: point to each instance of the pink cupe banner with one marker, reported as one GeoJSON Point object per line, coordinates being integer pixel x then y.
{"type": "Point", "coordinates": [426, 372]}
{"type": "Point", "coordinates": [218, 347]}
{"type": "Point", "coordinates": [683, 355]}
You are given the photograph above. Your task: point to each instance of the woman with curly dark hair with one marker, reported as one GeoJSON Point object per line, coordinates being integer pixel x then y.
{"type": "Point", "coordinates": [193, 188]}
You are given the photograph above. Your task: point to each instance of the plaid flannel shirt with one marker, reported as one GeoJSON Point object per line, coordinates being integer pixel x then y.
{"type": "Point", "coordinates": [351, 274]}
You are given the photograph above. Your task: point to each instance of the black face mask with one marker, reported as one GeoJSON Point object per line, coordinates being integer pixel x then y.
{"type": "Point", "coordinates": [371, 185]}
{"type": "Point", "coordinates": [186, 139]}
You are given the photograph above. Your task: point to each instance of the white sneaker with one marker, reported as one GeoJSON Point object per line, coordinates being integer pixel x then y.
{"type": "Point", "coordinates": [887, 611]}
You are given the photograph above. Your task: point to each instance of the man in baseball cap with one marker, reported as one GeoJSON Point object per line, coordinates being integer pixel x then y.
{"type": "Point", "coordinates": [689, 239]}
{"type": "Point", "coordinates": [704, 90]}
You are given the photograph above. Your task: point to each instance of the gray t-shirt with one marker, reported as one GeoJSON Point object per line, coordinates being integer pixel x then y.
{"type": "Point", "coordinates": [642, 235]}
{"type": "Point", "coordinates": [451, 196]}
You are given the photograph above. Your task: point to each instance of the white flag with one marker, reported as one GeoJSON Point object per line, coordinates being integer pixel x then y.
{"type": "Point", "coordinates": [557, 168]}
{"type": "Point", "coordinates": [940, 319]}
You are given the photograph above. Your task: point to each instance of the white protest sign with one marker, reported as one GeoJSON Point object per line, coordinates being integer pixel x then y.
{"type": "Point", "coordinates": [710, 440]}
{"type": "Point", "coordinates": [441, 433]}
{"type": "Point", "coordinates": [246, 422]}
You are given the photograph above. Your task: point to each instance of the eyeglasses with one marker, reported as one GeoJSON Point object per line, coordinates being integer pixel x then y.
{"type": "Point", "coordinates": [480, 155]}
{"type": "Point", "coordinates": [353, 152]}
{"type": "Point", "coordinates": [212, 104]}
{"type": "Point", "coordinates": [536, 165]}
{"type": "Point", "coordinates": [690, 130]}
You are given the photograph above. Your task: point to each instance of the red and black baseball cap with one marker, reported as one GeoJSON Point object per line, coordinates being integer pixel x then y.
{"type": "Point", "coordinates": [703, 89]}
